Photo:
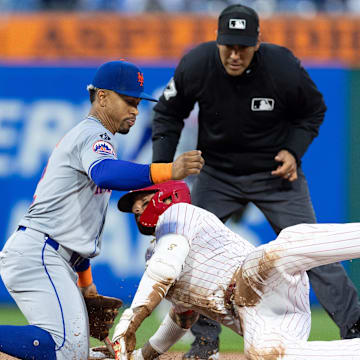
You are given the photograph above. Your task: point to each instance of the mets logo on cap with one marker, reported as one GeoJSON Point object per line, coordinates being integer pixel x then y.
{"type": "Point", "coordinates": [103, 148]}
{"type": "Point", "coordinates": [122, 77]}
{"type": "Point", "coordinates": [140, 78]}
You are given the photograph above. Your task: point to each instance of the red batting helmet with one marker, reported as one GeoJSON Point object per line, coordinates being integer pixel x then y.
{"type": "Point", "coordinates": [177, 190]}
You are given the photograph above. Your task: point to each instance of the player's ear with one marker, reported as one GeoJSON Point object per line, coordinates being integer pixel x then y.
{"type": "Point", "coordinates": [168, 200]}
{"type": "Point", "coordinates": [101, 97]}
{"type": "Point", "coordinates": [258, 43]}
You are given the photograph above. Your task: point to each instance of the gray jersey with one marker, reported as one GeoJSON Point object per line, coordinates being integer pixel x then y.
{"type": "Point", "coordinates": [68, 206]}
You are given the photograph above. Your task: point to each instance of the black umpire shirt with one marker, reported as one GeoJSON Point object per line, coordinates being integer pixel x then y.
{"type": "Point", "coordinates": [244, 121]}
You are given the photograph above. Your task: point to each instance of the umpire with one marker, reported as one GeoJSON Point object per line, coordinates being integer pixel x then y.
{"type": "Point", "coordinates": [258, 113]}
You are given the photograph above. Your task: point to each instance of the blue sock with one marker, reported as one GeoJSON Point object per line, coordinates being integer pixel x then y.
{"type": "Point", "coordinates": [27, 342]}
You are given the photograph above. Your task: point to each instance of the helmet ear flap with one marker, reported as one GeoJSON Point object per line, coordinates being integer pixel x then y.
{"type": "Point", "coordinates": [150, 216]}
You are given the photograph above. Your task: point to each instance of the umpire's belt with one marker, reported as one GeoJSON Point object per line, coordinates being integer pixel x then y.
{"type": "Point", "coordinates": [72, 257]}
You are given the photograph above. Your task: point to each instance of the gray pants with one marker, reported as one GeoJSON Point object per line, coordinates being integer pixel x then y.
{"type": "Point", "coordinates": [43, 286]}
{"type": "Point", "coordinates": [283, 204]}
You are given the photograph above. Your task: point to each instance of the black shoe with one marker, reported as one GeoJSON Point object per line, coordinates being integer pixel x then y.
{"type": "Point", "coordinates": [203, 349]}
{"type": "Point", "coordinates": [354, 331]}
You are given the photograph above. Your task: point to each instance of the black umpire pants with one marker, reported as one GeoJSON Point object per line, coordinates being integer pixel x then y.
{"type": "Point", "coordinates": [283, 204]}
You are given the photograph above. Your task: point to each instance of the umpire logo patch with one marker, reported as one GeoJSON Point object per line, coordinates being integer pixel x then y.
{"type": "Point", "coordinates": [103, 148]}
{"type": "Point", "coordinates": [170, 90]}
{"type": "Point", "coordinates": [262, 104]}
{"type": "Point", "coordinates": [239, 24]}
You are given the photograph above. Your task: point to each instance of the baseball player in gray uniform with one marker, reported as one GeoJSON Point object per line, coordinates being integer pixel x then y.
{"type": "Point", "coordinates": [62, 228]}
{"type": "Point", "coordinates": [201, 267]}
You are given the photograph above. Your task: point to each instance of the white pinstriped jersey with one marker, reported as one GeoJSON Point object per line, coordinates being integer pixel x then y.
{"type": "Point", "coordinates": [68, 206]}
{"type": "Point", "coordinates": [279, 322]}
{"type": "Point", "coordinates": [272, 300]}
{"type": "Point", "coordinates": [215, 253]}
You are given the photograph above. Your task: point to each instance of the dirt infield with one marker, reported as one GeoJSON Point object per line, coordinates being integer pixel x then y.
{"type": "Point", "coordinates": [223, 356]}
{"type": "Point", "coordinates": [6, 357]}
{"type": "Point", "coordinates": [168, 356]}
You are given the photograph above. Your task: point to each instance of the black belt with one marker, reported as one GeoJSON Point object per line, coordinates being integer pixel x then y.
{"type": "Point", "coordinates": [72, 257]}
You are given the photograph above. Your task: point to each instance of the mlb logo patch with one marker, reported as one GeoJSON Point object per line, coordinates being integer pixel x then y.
{"type": "Point", "coordinates": [238, 24]}
{"type": "Point", "coordinates": [262, 104]}
{"type": "Point", "coordinates": [105, 136]}
{"type": "Point", "coordinates": [103, 148]}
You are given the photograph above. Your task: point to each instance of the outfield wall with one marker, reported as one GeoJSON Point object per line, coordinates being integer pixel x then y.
{"type": "Point", "coordinates": [38, 104]}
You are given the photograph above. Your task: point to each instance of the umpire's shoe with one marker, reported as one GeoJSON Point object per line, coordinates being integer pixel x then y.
{"type": "Point", "coordinates": [202, 349]}
{"type": "Point", "coordinates": [354, 331]}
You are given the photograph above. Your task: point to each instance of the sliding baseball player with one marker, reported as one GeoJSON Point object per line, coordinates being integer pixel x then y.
{"type": "Point", "coordinates": [202, 267]}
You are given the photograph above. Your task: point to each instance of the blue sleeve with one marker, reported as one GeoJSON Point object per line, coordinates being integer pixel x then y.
{"type": "Point", "coordinates": [120, 175]}
{"type": "Point", "coordinates": [84, 265]}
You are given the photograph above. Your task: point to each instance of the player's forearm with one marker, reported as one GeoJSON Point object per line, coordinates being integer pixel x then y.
{"type": "Point", "coordinates": [84, 274]}
{"type": "Point", "coordinates": [164, 148]}
{"type": "Point", "coordinates": [168, 333]}
{"type": "Point", "coordinates": [124, 175]}
{"type": "Point", "coordinates": [147, 352]}
{"type": "Point", "coordinates": [298, 141]}
{"type": "Point", "coordinates": [307, 117]}
{"type": "Point", "coordinates": [172, 329]}
{"type": "Point", "coordinates": [163, 269]}
{"type": "Point", "coordinates": [147, 297]}
{"type": "Point", "coordinates": [120, 175]}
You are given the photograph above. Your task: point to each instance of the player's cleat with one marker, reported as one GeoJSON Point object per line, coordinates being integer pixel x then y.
{"type": "Point", "coordinates": [354, 331]}
{"type": "Point", "coordinates": [202, 349]}
{"type": "Point", "coordinates": [101, 352]}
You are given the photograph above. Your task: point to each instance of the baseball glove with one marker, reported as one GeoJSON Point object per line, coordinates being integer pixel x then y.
{"type": "Point", "coordinates": [102, 311]}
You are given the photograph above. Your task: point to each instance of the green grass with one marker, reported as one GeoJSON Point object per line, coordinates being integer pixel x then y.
{"type": "Point", "coordinates": [323, 328]}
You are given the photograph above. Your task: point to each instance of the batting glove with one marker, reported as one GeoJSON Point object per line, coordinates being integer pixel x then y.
{"type": "Point", "coordinates": [124, 339]}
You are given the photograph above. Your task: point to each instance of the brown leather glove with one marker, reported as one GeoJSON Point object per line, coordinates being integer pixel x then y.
{"type": "Point", "coordinates": [102, 311]}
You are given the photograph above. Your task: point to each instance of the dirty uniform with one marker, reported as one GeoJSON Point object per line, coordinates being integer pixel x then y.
{"type": "Point", "coordinates": [261, 293]}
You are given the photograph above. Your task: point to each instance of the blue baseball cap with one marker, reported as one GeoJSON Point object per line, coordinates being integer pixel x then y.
{"type": "Point", "coordinates": [122, 77]}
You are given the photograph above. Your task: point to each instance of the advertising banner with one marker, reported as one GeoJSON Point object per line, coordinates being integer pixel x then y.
{"type": "Point", "coordinates": [155, 37]}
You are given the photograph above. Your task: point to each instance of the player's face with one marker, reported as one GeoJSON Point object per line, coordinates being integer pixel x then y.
{"type": "Point", "coordinates": [236, 58]}
{"type": "Point", "coordinates": [122, 111]}
{"type": "Point", "coordinates": [141, 201]}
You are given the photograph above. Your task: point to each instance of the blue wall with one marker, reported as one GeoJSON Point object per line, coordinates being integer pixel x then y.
{"type": "Point", "coordinates": [39, 104]}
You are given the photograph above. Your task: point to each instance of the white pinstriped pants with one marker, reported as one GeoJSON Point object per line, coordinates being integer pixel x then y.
{"type": "Point", "coordinates": [278, 326]}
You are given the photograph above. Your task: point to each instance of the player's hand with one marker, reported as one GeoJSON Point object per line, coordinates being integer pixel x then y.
{"type": "Point", "coordinates": [124, 339]}
{"type": "Point", "coordinates": [89, 290]}
{"type": "Point", "coordinates": [188, 163]}
{"type": "Point", "coordinates": [119, 347]}
{"type": "Point", "coordinates": [135, 355]}
{"type": "Point", "coordinates": [288, 167]}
